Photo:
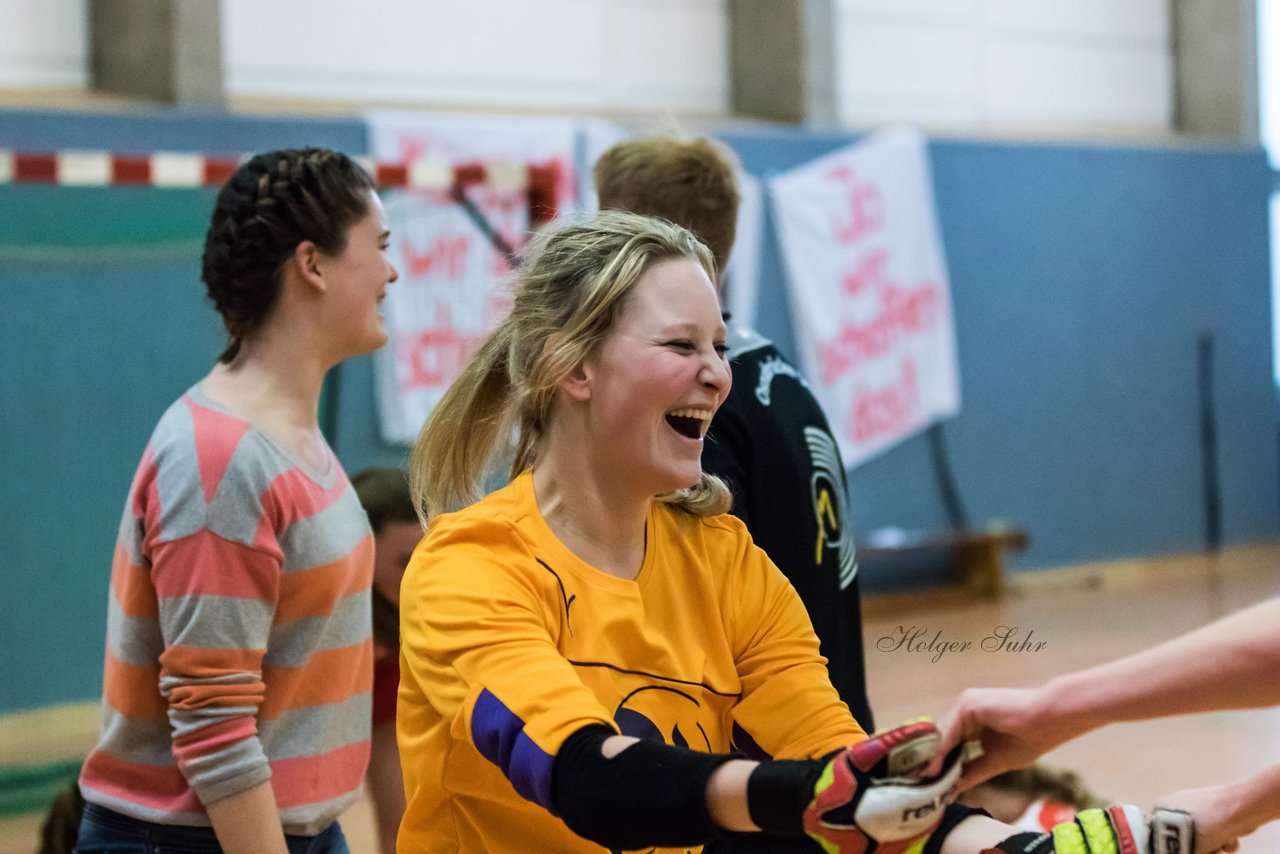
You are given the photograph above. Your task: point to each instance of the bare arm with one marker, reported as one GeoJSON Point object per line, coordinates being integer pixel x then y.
{"type": "Point", "coordinates": [1229, 664]}
{"type": "Point", "coordinates": [727, 796]}
{"type": "Point", "coordinates": [1223, 814]}
{"type": "Point", "coordinates": [386, 785]}
{"type": "Point", "coordinates": [248, 822]}
{"type": "Point", "coordinates": [977, 833]}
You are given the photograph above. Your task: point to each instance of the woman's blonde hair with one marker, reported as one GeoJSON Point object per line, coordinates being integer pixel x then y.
{"type": "Point", "coordinates": [568, 295]}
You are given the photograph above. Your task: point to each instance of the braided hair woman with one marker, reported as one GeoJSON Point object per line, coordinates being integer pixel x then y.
{"type": "Point", "coordinates": [238, 659]}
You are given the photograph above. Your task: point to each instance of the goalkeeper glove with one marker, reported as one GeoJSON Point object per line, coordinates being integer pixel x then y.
{"type": "Point", "coordinates": [1115, 830]}
{"type": "Point", "coordinates": [864, 800]}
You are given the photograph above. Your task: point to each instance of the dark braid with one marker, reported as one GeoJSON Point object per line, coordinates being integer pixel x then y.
{"type": "Point", "coordinates": [271, 204]}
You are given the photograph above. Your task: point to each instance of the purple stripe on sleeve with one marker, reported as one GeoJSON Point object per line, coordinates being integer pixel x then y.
{"type": "Point", "coordinates": [499, 736]}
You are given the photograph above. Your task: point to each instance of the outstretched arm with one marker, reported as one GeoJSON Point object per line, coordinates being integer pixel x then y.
{"type": "Point", "coordinates": [625, 793]}
{"type": "Point", "coordinates": [844, 819]}
{"type": "Point", "coordinates": [1228, 664]}
{"type": "Point", "coordinates": [1223, 814]}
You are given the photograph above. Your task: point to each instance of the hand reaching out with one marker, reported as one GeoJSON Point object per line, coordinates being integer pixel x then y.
{"type": "Point", "coordinates": [1214, 809]}
{"type": "Point", "coordinates": [1010, 725]}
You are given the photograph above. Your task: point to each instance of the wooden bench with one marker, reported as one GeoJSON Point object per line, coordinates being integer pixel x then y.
{"type": "Point", "coordinates": [974, 559]}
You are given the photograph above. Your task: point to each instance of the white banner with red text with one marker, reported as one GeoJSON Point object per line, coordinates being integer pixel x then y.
{"type": "Point", "coordinates": [869, 293]}
{"type": "Point", "coordinates": [454, 281]}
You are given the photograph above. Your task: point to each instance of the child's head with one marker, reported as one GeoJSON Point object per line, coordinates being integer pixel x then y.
{"type": "Point", "coordinates": [691, 182]}
{"type": "Point", "coordinates": [62, 822]}
{"type": "Point", "coordinates": [1034, 798]}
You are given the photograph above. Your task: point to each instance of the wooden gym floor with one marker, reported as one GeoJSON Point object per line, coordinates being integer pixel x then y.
{"type": "Point", "coordinates": [1083, 616]}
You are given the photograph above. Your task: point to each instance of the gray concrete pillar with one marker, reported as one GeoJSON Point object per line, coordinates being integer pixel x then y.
{"type": "Point", "coordinates": [161, 50]}
{"type": "Point", "coordinates": [1215, 57]}
{"type": "Point", "coordinates": [782, 60]}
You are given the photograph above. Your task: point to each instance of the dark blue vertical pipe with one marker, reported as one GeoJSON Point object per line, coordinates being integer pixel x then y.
{"type": "Point", "coordinates": [1209, 447]}
{"type": "Point", "coordinates": [946, 480]}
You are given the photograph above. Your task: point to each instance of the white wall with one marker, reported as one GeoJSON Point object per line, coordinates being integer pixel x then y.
{"type": "Point", "coordinates": [967, 65]}
{"type": "Point", "coordinates": [1048, 65]}
{"type": "Point", "coordinates": [44, 43]}
{"type": "Point", "coordinates": [514, 54]}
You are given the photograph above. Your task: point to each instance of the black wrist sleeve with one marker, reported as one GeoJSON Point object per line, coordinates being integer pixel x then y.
{"type": "Point", "coordinates": [1028, 842]}
{"type": "Point", "coordinates": [778, 793]}
{"type": "Point", "coordinates": [647, 795]}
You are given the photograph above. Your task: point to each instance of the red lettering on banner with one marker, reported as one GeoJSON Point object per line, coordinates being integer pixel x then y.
{"type": "Point", "coordinates": [866, 208]}
{"type": "Point", "coordinates": [888, 410]}
{"type": "Point", "coordinates": [912, 308]}
{"type": "Point", "coordinates": [444, 256]}
{"type": "Point", "coordinates": [435, 357]}
{"type": "Point", "coordinates": [902, 312]}
{"type": "Point", "coordinates": [869, 272]}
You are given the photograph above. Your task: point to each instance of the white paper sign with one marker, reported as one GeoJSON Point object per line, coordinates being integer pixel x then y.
{"type": "Point", "coordinates": [453, 288]}
{"type": "Point", "coordinates": [870, 298]}
{"type": "Point", "coordinates": [452, 292]}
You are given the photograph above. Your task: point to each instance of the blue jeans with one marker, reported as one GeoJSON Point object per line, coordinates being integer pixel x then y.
{"type": "Point", "coordinates": [105, 832]}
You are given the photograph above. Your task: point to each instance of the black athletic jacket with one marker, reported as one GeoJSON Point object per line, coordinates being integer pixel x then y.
{"type": "Point", "coordinates": [770, 441]}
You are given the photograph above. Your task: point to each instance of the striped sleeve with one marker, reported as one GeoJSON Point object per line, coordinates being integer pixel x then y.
{"type": "Point", "coordinates": [215, 567]}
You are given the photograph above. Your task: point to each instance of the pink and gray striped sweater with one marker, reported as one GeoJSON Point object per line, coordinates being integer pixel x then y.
{"type": "Point", "coordinates": [238, 635]}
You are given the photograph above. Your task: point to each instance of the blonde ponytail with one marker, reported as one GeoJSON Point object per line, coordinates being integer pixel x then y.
{"type": "Point", "coordinates": [459, 436]}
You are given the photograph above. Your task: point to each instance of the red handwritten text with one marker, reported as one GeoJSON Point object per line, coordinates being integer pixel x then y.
{"type": "Point", "coordinates": [887, 410]}
{"type": "Point", "coordinates": [435, 357]}
{"type": "Point", "coordinates": [866, 207]}
{"type": "Point", "coordinates": [868, 272]}
{"type": "Point", "coordinates": [443, 256]}
{"type": "Point", "coordinates": [902, 312]}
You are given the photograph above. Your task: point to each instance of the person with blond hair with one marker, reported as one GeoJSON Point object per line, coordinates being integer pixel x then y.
{"type": "Point", "coordinates": [578, 647]}
{"type": "Point", "coordinates": [770, 441]}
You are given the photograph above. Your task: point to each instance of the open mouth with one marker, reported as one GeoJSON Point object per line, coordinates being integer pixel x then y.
{"type": "Point", "coordinates": [690, 423]}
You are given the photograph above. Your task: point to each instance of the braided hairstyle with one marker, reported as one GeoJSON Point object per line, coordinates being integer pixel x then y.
{"type": "Point", "coordinates": [271, 204]}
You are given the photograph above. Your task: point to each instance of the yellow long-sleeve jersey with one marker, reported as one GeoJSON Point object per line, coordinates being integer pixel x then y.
{"type": "Point", "coordinates": [511, 643]}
